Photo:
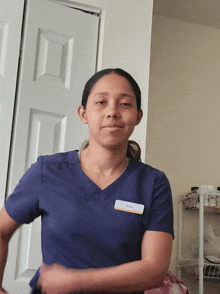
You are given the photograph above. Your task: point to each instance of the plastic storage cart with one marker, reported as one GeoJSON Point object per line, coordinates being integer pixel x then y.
{"type": "Point", "coordinates": [201, 201]}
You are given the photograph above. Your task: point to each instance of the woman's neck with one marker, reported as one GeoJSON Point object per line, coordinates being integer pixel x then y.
{"type": "Point", "coordinates": [103, 160]}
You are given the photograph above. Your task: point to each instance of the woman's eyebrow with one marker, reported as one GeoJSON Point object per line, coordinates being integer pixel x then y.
{"type": "Point", "coordinates": [121, 95]}
{"type": "Point", "coordinates": [127, 95]}
{"type": "Point", "coordinates": [102, 93]}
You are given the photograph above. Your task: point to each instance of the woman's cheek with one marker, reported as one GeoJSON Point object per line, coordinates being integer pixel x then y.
{"type": "Point", "coordinates": [94, 116]}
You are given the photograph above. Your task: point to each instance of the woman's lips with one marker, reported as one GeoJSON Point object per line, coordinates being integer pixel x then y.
{"type": "Point", "coordinates": [117, 126]}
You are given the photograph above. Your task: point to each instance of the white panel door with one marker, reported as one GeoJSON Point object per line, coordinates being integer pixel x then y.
{"type": "Point", "coordinates": [10, 37]}
{"type": "Point", "coordinates": [58, 56]}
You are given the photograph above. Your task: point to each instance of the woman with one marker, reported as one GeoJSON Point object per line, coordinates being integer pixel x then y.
{"type": "Point", "coordinates": [107, 218]}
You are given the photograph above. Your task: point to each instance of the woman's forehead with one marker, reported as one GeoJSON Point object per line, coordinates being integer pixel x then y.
{"type": "Point", "coordinates": [112, 82]}
{"type": "Point", "coordinates": [121, 95]}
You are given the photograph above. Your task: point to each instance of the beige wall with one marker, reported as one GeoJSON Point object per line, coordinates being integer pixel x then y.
{"type": "Point", "coordinates": [184, 106]}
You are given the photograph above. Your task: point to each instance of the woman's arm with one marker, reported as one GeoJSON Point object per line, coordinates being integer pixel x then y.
{"type": "Point", "coordinates": [134, 276]}
{"type": "Point", "coordinates": [7, 227]}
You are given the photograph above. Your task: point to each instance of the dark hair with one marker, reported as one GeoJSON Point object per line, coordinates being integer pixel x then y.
{"type": "Point", "coordinates": [91, 82]}
{"type": "Point", "coordinates": [133, 149]}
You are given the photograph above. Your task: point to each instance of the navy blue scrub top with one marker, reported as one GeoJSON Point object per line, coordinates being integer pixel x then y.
{"type": "Point", "coordinates": [80, 227]}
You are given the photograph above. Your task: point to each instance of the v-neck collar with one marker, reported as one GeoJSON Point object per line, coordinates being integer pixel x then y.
{"type": "Point", "coordinates": [89, 186]}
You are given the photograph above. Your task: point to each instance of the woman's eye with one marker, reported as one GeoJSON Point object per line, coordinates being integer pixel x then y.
{"type": "Point", "coordinates": [100, 102]}
{"type": "Point", "coordinates": [125, 104]}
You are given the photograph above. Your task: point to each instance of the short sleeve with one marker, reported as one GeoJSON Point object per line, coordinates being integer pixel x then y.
{"type": "Point", "coordinates": [161, 211]}
{"type": "Point", "coordinates": [23, 204]}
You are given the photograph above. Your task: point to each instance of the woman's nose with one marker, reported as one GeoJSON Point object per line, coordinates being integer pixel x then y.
{"type": "Point", "coordinates": [113, 112]}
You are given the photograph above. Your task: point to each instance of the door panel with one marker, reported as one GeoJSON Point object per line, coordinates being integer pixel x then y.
{"type": "Point", "coordinates": [58, 56]}
{"type": "Point", "coordinates": [10, 37]}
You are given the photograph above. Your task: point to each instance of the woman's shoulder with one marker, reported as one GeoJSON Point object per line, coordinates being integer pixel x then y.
{"type": "Point", "coordinates": [61, 157]}
{"type": "Point", "coordinates": [147, 169]}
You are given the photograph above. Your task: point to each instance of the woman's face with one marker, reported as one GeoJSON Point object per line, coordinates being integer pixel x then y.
{"type": "Point", "coordinates": [111, 111]}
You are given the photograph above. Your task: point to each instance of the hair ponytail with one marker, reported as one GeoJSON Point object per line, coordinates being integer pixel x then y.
{"type": "Point", "coordinates": [134, 150]}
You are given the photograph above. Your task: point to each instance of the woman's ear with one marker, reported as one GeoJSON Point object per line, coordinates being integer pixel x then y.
{"type": "Point", "coordinates": [82, 114]}
{"type": "Point", "coordinates": [139, 116]}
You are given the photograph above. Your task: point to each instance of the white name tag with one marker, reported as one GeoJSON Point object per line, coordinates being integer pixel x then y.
{"type": "Point", "coordinates": [129, 206]}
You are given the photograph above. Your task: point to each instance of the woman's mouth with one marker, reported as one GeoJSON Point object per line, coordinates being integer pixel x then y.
{"type": "Point", "coordinates": [113, 126]}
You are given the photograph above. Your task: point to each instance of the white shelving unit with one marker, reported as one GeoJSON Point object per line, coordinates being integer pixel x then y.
{"type": "Point", "coordinates": [196, 269]}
